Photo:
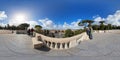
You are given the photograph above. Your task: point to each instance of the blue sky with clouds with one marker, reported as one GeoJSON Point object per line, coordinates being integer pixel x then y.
{"type": "Point", "coordinates": [58, 13]}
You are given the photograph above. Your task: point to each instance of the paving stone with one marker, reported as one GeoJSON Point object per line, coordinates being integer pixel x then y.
{"type": "Point", "coordinates": [19, 47]}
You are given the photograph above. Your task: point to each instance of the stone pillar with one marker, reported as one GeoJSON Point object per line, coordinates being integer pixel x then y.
{"type": "Point", "coordinates": [51, 45]}
{"type": "Point", "coordinates": [70, 44]}
{"type": "Point", "coordinates": [66, 46]}
{"type": "Point", "coordinates": [61, 46]}
{"type": "Point", "coordinates": [56, 46]}
{"type": "Point", "coordinates": [47, 44]}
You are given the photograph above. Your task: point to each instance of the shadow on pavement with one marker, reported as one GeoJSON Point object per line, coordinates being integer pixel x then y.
{"type": "Point", "coordinates": [44, 48]}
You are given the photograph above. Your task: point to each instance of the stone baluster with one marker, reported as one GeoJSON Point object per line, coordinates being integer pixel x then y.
{"type": "Point", "coordinates": [61, 47]}
{"type": "Point", "coordinates": [66, 46]}
{"type": "Point", "coordinates": [47, 44]}
{"type": "Point", "coordinates": [51, 45]}
{"type": "Point", "coordinates": [56, 46]}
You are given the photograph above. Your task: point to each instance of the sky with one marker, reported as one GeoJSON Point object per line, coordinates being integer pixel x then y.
{"type": "Point", "coordinates": [59, 14]}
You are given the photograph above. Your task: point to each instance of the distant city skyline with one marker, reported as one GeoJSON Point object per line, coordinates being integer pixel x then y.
{"type": "Point", "coordinates": [58, 14]}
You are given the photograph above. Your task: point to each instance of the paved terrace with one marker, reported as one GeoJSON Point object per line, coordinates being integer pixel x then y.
{"type": "Point", "coordinates": [19, 47]}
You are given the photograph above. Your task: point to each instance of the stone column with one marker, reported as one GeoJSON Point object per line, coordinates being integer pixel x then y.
{"type": "Point", "coordinates": [47, 44]}
{"type": "Point", "coordinates": [56, 46]}
{"type": "Point", "coordinates": [51, 45]}
{"type": "Point", "coordinates": [61, 46]}
{"type": "Point", "coordinates": [66, 46]}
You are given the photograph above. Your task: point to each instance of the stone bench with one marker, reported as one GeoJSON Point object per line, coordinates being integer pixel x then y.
{"type": "Point", "coordinates": [36, 43]}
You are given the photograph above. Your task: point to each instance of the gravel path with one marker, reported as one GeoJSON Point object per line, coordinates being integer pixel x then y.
{"type": "Point", "coordinates": [19, 47]}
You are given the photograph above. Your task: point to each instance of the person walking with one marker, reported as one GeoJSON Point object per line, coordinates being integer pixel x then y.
{"type": "Point", "coordinates": [28, 31]}
{"type": "Point", "coordinates": [90, 33]}
{"type": "Point", "coordinates": [32, 30]}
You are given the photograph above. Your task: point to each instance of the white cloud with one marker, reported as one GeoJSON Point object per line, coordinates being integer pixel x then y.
{"type": "Point", "coordinates": [97, 19]}
{"type": "Point", "coordinates": [111, 19]}
{"type": "Point", "coordinates": [20, 18]}
{"type": "Point", "coordinates": [3, 24]}
{"type": "Point", "coordinates": [32, 23]}
{"type": "Point", "coordinates": [2, 15]}
{"type": "Point", "coordinates": [72, 25]}
{"type": "Point", "coordinates": [18, 22]}
{"type": "Point", "coordinates": [49, 24]}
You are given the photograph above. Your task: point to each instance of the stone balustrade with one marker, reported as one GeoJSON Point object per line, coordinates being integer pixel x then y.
{"type": "Point", "coordinates": [62, 43]}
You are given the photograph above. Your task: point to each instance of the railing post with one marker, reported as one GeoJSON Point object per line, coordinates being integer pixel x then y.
{"type": "Point", "coordinates": [56, 46]}
{"type": "Point", "coordinates": [61, 46]}
{"type": "Point", "coordinates": [51, 45]}
{"type": "Point", "coordinates": [66, 46]}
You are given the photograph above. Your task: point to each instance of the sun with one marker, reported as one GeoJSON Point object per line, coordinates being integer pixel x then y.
{"type": "Point", "coordinates": [20, 17]}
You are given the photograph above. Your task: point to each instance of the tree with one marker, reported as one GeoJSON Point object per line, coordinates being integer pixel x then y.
{"type": "Point", "coordinates": [109, 26]}
{"type": "Point", "coordinates": [5, 27]}
{"type": "Point", "coordinates": [69, 33]}
{"type": "Point", "coordinates": [53, 35]}
{"type": "Point", "coordinates": [102, 22]}
{"type": "Point", "coordinates": [102, 26]}
{"type": "Point", "coordinates": [114, 27]}
{"type": "Point", "coordinates": [38, 28]}
{"type": "Point", "coordinates": [1, 27]}
{"type": "Point", "coordinates": [80, 24]}
{"type": "Point", "coordinates": [47, 32]}
{"type": "Point", "coordinates": [118, 27]}
{"type": "Point", "coordinates": [95, 27]}
{"type": "Point", "coordinates": [23, 26]}
{"type": "Point", "coordinates": [8, 26]}
{"type": "Point", "coordinates": [78, 31]}
{"type": "Point", "coordinates": [13, 27]}
{"type": "Point", "coordinates": [86, 21]}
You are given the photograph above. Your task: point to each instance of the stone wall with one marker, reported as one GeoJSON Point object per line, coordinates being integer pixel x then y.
{"type": "Point", "coordinates": [21, 32]}
{"type": "Point", "coordinates": [107, 31]}
{"type": "Point", "coordinates": [62, 43]}
{"type": "Point", "coordinates": [5, 32]}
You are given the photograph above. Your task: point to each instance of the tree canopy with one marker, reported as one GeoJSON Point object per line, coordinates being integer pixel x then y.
{"type": "Point", "coordinates": [85, 21]}
{"type": "Point", "coordinates": [69, 33]}
{"type": "Point", "coordinates": [38, 28]}
{"type": "Point", "coordinates": [102, 26]}
{"type": "Point", "coordinates": [102, 22]}
{"type": "Point", "coordinates": [23, 26]}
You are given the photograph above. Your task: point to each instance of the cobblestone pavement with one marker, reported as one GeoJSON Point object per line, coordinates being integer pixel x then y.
{"type": "Point", "coordinates": [19, 47]}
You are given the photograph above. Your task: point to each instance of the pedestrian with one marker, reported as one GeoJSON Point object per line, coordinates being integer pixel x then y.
{"type": "Point", "coordinates": [32, 30]}
{"type": "Point", "coordinates": [90, 32]}
{"type": "Point", "coordinates": [28, 31]}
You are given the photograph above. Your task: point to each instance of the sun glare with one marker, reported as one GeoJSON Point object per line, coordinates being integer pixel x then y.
{"type": "Point", "coordinates": [20, 17]}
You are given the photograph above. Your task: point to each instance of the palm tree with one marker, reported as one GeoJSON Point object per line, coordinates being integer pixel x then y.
{"type": "Point", "coordinates": [86, 21]}
{"type": "Point", "coordinates": [102, 22]}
